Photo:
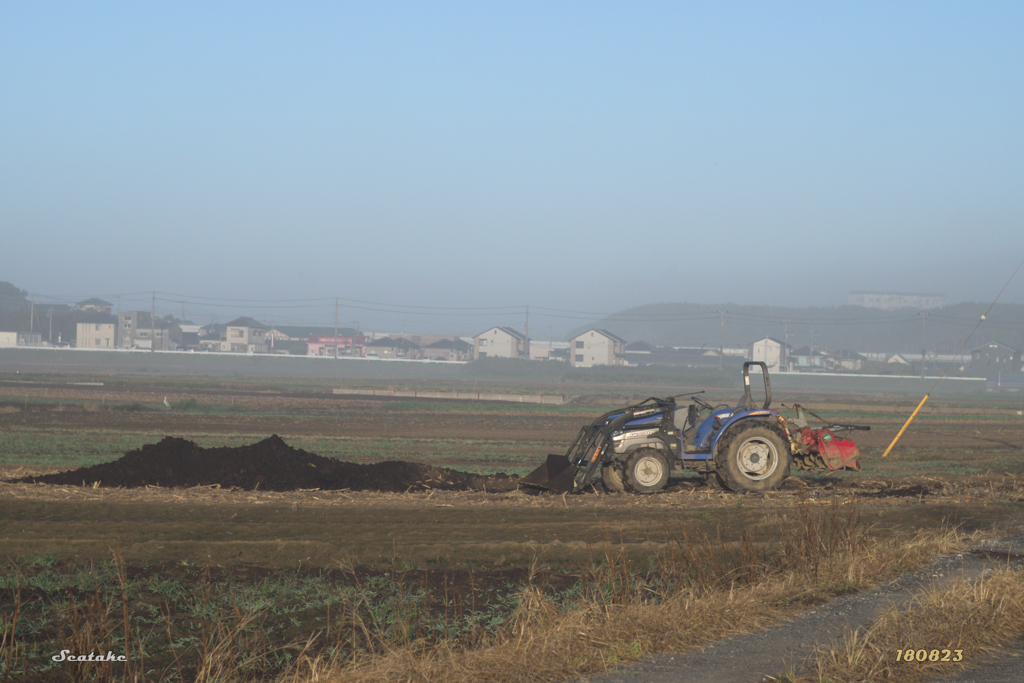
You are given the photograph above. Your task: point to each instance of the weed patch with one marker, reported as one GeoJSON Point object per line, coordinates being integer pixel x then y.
{"type": "Point", "coordinates": [938, 631]}
{"type": "Point", "coordinates": [619, 614]}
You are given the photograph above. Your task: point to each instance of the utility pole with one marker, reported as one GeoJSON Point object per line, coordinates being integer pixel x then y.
{"type": "Point", "coordinates": [924, 316]}
{"type": "Point", "coordinates": [152, 326]}
{"type": "Point", "coordinates": [49, 338]}
{"type": "Point", "coordinates": [527, 333]}
{"type": "Point", "coordinates": [721, 342]}
{"type": "Point", "coordinates": [785, 348]}
{"type": "Point", "coordinates": [32, 316]}
{"type": "Point", "coordinates": [335, 328]}
{"type": "Point", "coordinates": [118, 342]}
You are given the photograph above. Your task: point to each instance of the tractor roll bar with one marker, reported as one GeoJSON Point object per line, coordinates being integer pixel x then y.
{"type": "Point", "coordinates": [746, 384]}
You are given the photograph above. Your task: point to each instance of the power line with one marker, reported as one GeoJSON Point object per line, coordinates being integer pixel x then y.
{"type": "Point", "coordinates": [200, 304]}
{"type": "Point", "coordinates": [331, 299]}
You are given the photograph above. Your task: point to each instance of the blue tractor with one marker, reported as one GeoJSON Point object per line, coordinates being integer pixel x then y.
{"type": "Point", "coordinates": [748, 447]}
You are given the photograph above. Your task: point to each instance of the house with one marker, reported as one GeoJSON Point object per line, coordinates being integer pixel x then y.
{"type": "Point", "coordinates": [185, 336]}
{"type": "Point", "coordinates": [157, 337]}
{"type": "Point", "coordinates": [538, 352]}
{"type": "Point", "coordinates": [392, 347]}
{"type": "Point", "coordinates": [995, 357]}
{"type": "Point", "coordinates": [139, 330]}
{"type": "Point", "coordinates": [94, 305]}
{"type": "Point", "coordinates": [641, 347]}
{"type": "Point", "coordinates": [499, 342]}
{"type": "Point", "coordinates": [326, 344]}
{"type": "Point", "coordinates": [846, 359]}
{"type": "Point", "coordinates": [246, 335]}
{"type": "Point", "coordinates": [213, 331]}
{"type": "Point", "coordinates": [803, 359]}
{"type": "Point", "coordinates": [448, 349]}
{"type": "Point", "coordinates": [898, 359]}
{"type": "Point", "coordinates": [644, 353]}
{"type": "Point", "coordinates": [769, 351]}
{"type": "Point", "coordinates": [549, 350]}
{"type": "Point", "coordinates": [304, 332]}
{"type": "Point", "coordinates": [97, 331]}
{"type": "Point", "coordinates": [596, 347]}
{"type": "Point", "coordinates": [214, 344]}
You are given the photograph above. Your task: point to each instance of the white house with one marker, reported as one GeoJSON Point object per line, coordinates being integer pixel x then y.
{"type": "Point", "coordinates": [499, 342]}
{"type": "Point", "coordinates": [596, 347]}
{"type": "Point", "coordinates": [97, 331]}
{"type": "Point", "coordinates": [769, 351]}
{"type": "Point", "coordinates": [245, 335]}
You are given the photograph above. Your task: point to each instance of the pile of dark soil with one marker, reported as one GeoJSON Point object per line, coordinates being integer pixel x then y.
{"type": "Point", "coordinates": [270, 465]}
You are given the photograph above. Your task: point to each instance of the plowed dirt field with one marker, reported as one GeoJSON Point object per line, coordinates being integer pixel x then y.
{"type": "Point", "coordinates": [258, 482]}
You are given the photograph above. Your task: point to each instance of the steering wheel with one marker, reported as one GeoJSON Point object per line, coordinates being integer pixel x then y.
{"type": "Point", "coordinates": [703, 404]}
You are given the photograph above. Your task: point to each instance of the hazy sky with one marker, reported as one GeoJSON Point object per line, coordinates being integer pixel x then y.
{"type": "Point", "coordinates": [575, 156]}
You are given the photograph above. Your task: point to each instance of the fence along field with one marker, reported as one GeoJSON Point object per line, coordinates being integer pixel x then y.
{"type": "Point", "coordinates": [448, 584]}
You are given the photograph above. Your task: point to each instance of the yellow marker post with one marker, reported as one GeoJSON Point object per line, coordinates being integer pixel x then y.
{"type": "Point", "coordinates": [909, 420]}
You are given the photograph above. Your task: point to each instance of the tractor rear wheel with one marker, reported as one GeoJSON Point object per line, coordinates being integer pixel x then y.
{"type": "Point", "coordinates": [646, 470]}
{"type": "Point", "coordinates": [753, 457]}
{"type": "Point", "coordinates": [611, 475]}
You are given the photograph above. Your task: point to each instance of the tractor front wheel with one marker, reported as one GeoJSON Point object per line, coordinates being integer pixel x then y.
{"type": "Point", "coordinates": [611, 475]}
{"type": "Point", "coordinates": [753, 457]}
{"type": "Point", "coordinates": [646, 470]}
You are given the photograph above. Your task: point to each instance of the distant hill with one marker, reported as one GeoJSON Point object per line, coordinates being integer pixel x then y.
{"type": "Point", "coordinates": [56, 322]}
{"type": "Point", "coordinates": [837, 327]}
{"type": "Point", "coordinates": [12, 298]}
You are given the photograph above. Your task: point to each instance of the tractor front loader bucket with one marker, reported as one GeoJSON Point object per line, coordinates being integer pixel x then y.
{"type": "Point", "coordinates": [556, 474]}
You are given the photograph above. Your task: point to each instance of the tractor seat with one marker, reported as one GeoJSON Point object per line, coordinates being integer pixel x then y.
{"type": "Point", "coordinates": [746, 403]}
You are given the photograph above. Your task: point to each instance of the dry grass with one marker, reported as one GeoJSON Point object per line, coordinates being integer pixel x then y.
{"type": "Point", "coordinates": [11, 650]}
{"type": "Point", "coordinates": [707, 592]}
{"type": "Point", "coordinates": [697, 589]}
{"type": "Point", "coordinates": [965, 617]}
